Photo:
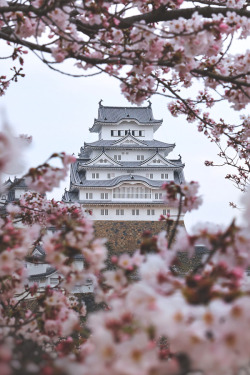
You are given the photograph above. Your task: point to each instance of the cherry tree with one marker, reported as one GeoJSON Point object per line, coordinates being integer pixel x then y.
{"type": "Point", "coordinates": [152, 47]}
{"type": "Point", "coordinates": [153, 321]}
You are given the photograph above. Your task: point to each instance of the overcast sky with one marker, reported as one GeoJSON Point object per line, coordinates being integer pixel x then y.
{"type": "Point", "coordinates": [58, 110]}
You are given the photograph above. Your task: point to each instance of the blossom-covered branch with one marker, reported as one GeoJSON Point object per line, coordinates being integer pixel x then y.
{"type": "Point", "coordinates": [165, 46]}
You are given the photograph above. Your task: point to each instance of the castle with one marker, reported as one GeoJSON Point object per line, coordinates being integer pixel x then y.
{"type": "Point", "coordinates": [119, 176]}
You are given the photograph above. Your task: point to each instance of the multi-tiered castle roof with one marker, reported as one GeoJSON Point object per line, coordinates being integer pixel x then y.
{"type": "Point", "coordinates": [120, 175]}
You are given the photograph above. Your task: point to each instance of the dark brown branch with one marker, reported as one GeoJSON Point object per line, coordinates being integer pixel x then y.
{"type": "Point", "coordinates": [219, 77]}
{"type": "Point", "coordinates": [25, 43]}
{"type": "Point", "coordinates": [163, 14]}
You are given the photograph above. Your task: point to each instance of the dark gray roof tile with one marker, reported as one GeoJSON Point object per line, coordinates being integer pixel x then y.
{"type": "Point", "coordinates": [147, 144]}
{"type": "Point", "coordinates": [117, 180]}
{"type": "Point", "coordinates": [115, 114]}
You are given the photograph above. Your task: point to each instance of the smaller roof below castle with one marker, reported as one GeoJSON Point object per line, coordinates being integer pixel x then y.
{"type": "Point", "coordinates": [146, 144]}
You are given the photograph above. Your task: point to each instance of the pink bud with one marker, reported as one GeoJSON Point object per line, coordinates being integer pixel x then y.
{"type": "Point", "coordinates": [116, 21]}
{"type": "Point", "coordinates": [223, 27]}
{"type": "Point", "coordinates": [114, 259]}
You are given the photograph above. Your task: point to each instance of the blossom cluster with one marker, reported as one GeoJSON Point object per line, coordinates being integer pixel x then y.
{"type": "Point", "coordinates": [183, 196]}
{"type": "Point", "coordinates": [45, 177]}
{"type": "Point", "coordinates": [165, 46]}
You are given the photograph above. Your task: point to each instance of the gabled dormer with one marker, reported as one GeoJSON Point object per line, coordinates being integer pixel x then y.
{"type": "Point", "coordinates": [102, 159]}
{"type": "Point", "coordinates": [129, 140]}
{"type": "Point", "coordinates": [158, 160]}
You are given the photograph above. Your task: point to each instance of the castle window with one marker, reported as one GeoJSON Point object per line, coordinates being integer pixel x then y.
{"type": "Point", "coordinates": [118, 133]}
{"type": "Point", "coordinates": [150, 212]}
{"type": "Point", "coordinates": [117, 157]}
{"type": "Point", "coordinates": [158, 195]}
{"type": "Point", "coordinates": [95, 175]}
{"type": "Point", "coordinates": [164, 176]}
{"type": "Point", "coordinates": [135, 133]}
{"type": "Point", "coordinates": [135, 212]}
{"type": "Point", "coordinates": [104, 211]}
{"type": "Point", "coordinates": [104, 195]}
{"type": "Point", "coordinates": [119, 212]}
{"type": "Point", "coordinates": [151, 176]}
{"type": "Point", "coordinates": [140, 157]}
{"type": "Point", "coordinates": [166, 212]}
{"type": "Point", "coordinates": [89, 195]}
{"type": "Point", "coordinates": [141, 133]}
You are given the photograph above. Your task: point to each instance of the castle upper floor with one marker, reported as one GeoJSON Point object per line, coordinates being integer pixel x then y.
{"type": "Point", "coordinates": [116, 122]}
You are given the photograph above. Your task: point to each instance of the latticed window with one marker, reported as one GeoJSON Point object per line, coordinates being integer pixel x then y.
{"type": "Point", "coordinates": [166, 211]}
{"type": "Point", "coordinates": [135, 212]}
{"type": "Point", "coordinates": [104, 195]}
{"type": "Point", "coordinates": [158, 195]}
{"type": "Point", "coordinates": [150, 212]}
{"type": "Point", "coordinates": [120, 211]}
{"type": "Point", "coordinates": [132, 192]}
{"type": "Point", "coordinates": [140, 157]}
{"type": "Point", "coordinates": [104, 211]}
{"type": "Point", "coordinates": [164, 176]}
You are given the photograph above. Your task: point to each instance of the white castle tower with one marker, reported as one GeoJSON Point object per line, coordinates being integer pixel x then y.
{"type": "Point", "coordinates": [119, 177]}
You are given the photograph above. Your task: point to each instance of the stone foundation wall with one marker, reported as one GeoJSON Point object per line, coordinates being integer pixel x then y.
{"type": "Point", "coordinates": [126, 235]}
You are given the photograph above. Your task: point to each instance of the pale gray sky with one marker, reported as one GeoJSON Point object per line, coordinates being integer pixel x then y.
{"type": "Point", "coordinates": [58, 110]}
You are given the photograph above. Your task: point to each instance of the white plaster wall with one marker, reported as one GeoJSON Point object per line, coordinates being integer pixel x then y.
{"type": "Point", "coordinates": [143, 216]}
{"type": "Point", "coordinates": [103, 173]}
{"type": "Point", "coordinates": [95, 153]}
{"type": "Point", "coordinates": [96, 193]}
{"type": "Point", "coordinates": [19, 193]}
{"type": "Point", "coordinates": [157, 175]}
{"type": "Point", "coordinates": [130, 155]}
{"type": "Point", "coordinates": [34, 269]}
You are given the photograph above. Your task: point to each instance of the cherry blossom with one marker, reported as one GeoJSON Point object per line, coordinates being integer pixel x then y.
{"type": "Point", "coordinates": [11, 148]}
{"type": "Point", "coordinates": [158, 47]}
